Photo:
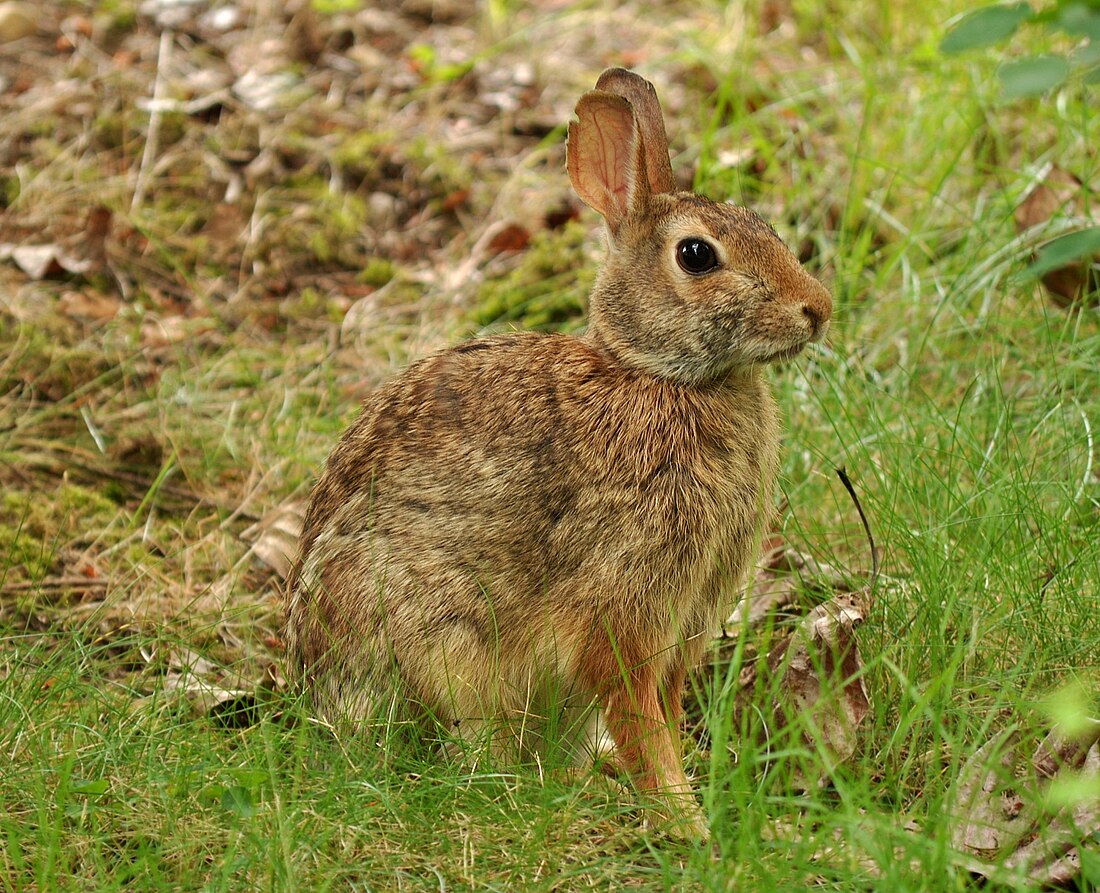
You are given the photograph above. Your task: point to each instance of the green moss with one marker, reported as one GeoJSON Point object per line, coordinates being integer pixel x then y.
{"type": "Point", "coordinates": [377, 272]}
{"type": "Point", "coordinates": [35, 526]}
{"type": "Point", "coordinates": [9, 190]}
{"type": "Point", "coordinates": [439, 167]}
{"type": "Point", "coordinates": [435, 71]}
{"type": "Point", "coordinates": [336, 221]}
{"type": "Point", "coordinates": [110, 129]}
{"type": "Point", "coordinates": [121, 15]}
{"type": "Point", "coordinates": [173, 128]}
{"type": "Point", "coordinates": [373, 156]}
{"type": "Point", "coordinates": [312, 303]}
{"type": "Point", "coordinates": [324, 225]}
{"type": "Point", "coordinates": [43, 365]}
{"type": "Point", "coordinates": [547, 290]}
{"type": "Point", "coordinates": [360, 153]}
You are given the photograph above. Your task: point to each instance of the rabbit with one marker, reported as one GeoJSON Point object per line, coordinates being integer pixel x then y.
{"type": "Point", "coordinates": [536, 516]}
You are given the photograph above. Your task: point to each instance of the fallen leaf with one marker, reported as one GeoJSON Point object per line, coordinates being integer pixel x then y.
{"type": "Point", "coordinates": [77, 24]}
{"type": "Point", "coordinates": [1059, 195]}
{"type": "Point", "coordinates": [223, 229]}
{"type": "Point", "coordinates": [1052, 193]}
{"type": "Point", "coordinates": [208, 698]}
{"type": "Point", "coordinates": [267, 92]}
{"type": "Point", "coordinates": [780, 573]}
{"type": "Point", "coordinates": [274, 537]}
{"type": "Point", "coordinates": [769, 595]}
{"type": "Point", "coordinates": [1053, 856]}
{"type": "Point", "coordinates": [815, 673]}
{"type": "Point", "coordinates": [88, 305]}
{"type": "Point", "coordinates": [1060, 750]}
{"type": "Point", "coordinates": [558, 217]}
{"type": "Point", "coordinates": [17, 20]}
{"type": "Point", "coordinates": [512, 237]}
{"type": "Point", "coordinates": [1006, 817]}
{"type": "Point", "coordinates": [187, 662]}
{"type": "Point", "coordinates": [97, 227]}
{"type": "Point", "coordinates": [455, 199]}
{"type": "Point", "coordinates": [43, 261]}
{"type": "Point", "coordinates": [984, 828]}
{"type": "Point", "coordinates": [771, 590]}
{"type": "Point", "coordinates": [818, 669]}
{"type": "Point", "coordinates": [842, 850]}
{"type": "Point", "coordinates": [221, 18]}
{"type": "Point", "coordinates": [166, 330]}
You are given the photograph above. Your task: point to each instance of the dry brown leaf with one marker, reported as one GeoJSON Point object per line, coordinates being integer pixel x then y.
{"type": "Point", "coordinates": [88, 305]}
{"type": "Point", "coordinates": [97, 227]}
{"type": "Point", "coordinates": [774, 587]}
{"type": "Point", "coordinates": [274, 537]}
{"type": "Point", "coordinates": [1052, 857]}
{"type": "Point", "coordinates": [162, 331]}
{"type": "Point", "coordinates": [512, 237]}
{"type": "Point", "coordinates": [981, 795]}
{"type": "Point", "coordinates": [1060, 194]}
{"type": "Point", "coordinates": [1004, 817]}
{"type": "Point", "coordinates": [209, 691]}
{"type": "Point", "coordinates": [186, 662]}
{"type": "Point", "coordinates": [223, 229]}
{"type": "Point", "coordinates": [843, 852]}
{"type": "Point", "coordinates": [17, 20]}
{"type": "Point", "coordinates": [1053, 193]}
{"type": "Point", "coordinates": [820, 680]}
{"type": "Point", "coordinates": [770, 594]}
{"type": "Point", "coordinates": [265, 92]}
{"type": "Point", "coordinates": [43, 261]}
{"type": "Point", "coordinates": [817, 667]}
{"type": "Point", "coordinates": [207, 697]}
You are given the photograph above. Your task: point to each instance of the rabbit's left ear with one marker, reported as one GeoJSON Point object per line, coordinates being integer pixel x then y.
{"type": "Point", "coordinates": [605, 157]}
{"type": "Point", "coordinates": [651, 123]}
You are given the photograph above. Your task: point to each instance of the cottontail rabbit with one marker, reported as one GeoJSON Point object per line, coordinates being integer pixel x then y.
{"type": "Point", "coordinates": [530, 522]}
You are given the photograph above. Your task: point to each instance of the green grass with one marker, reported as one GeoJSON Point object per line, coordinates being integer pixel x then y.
{"type": "Point", "coordinates": [964, 405]}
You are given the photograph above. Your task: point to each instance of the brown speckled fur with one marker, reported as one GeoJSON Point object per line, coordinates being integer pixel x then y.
{"type": "Point", "coordinates": [535, 520]}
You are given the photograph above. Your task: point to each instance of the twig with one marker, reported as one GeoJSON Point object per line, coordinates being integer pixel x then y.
{"type": "Point", "coordinates": [843, 475]}
{"type": "Point", "coordinates": [164, 55]}
{"type": "Point", "coordinates": [55, 584]}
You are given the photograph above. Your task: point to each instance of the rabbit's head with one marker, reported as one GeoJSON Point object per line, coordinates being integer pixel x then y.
{"type": "Point", "coordinates": [692, 289]}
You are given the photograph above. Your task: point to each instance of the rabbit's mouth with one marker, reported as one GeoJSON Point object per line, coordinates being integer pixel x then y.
{"type": "Point", "coordinates": [787, 353]}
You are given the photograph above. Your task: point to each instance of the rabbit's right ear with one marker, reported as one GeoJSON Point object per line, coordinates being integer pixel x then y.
{"type": "Point", "coordinates": [605, 157]}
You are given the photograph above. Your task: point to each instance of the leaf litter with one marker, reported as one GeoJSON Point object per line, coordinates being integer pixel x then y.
{"type": "Point", "coordinates": [1006, 821]}
{"type": "Point", "coordinates": [1069, 264]}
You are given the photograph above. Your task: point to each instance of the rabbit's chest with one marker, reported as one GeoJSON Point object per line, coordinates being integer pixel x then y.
{"type": "Point", "coordinates": [709, 505]}
{"type": "Point", "coordinates": [712, 479]}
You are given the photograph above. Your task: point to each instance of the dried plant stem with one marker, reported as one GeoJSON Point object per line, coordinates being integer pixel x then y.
{"type": "Point", "coordinates": [843, 475]}
{"type": "Point", "coordinates": [54, 584]}
{"type": "Point", "coordinates": [164, 56]}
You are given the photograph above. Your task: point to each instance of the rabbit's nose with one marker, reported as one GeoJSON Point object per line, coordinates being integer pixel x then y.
{"type": "Point", "coordinates": [817, 306]}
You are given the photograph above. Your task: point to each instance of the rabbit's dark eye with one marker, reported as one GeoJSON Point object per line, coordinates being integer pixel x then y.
{"type": "Point", "coordinates": [696, 256]}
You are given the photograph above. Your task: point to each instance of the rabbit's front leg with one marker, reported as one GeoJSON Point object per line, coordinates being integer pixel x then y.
{"type": "Point", "coordinates": [648, 747]}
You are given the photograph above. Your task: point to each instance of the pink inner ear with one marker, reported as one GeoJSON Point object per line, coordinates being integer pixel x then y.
{"type": "Point", "coordinates": [603, 155]}
{"type": "Point", "coordinates": [613, 154]}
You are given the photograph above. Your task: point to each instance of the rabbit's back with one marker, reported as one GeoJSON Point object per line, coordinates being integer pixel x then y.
{"type": "Point", "coordinates": [501, 507]}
